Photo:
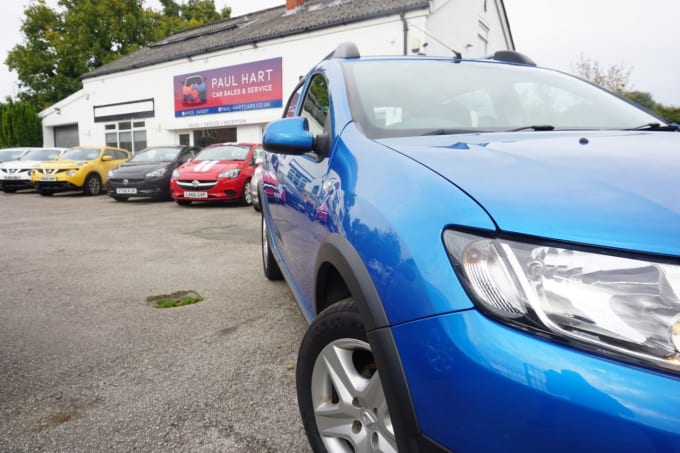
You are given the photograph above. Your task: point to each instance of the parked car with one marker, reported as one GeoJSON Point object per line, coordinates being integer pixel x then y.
{"type": "Point", "coordinates": [493, 263]}
{"type": "Point", "coordinates": [219, 172]}
{"type": "Point", "coordinates": [16, 174]}
{"type": "Point", "coordinates": [10, 154]}
{"type": "Point", "coordinates": [83, 168]}
{"type": "Point", "coordinates": [147, 173]}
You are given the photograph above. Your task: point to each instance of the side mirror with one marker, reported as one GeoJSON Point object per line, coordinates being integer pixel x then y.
{"type": "Point", "coordinates": [106, 158]}
{"type": "Point", "coordinates": [288, 136]}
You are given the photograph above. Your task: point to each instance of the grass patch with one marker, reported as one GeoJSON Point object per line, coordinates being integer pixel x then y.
{"type": "Point", "coordinates": [176, 299]}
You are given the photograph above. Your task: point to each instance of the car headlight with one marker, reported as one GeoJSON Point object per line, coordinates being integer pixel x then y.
{"type": "Point", "coordinates": [109, 175]}
{"type": "Point", "coordinates": [624, 306]}
{"type": "Point", "coordinates": [156, 173]}
{"type": "Point", "coordinates": [73, 172]}
{"type": "Point", "coordinates": [231, 174]}
{"type": "Point", "coordinates": [175, 173]}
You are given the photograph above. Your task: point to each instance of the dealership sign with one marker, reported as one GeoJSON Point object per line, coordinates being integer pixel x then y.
{"type": "Point", "coordinates": [248, 86]}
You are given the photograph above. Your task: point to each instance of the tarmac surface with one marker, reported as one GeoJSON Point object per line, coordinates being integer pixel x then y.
{"type": "Point", "coordinates": [88, 365]}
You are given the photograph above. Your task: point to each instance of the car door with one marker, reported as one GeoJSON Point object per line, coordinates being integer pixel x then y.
{"type": "Point", "coordinates": [299, 179]}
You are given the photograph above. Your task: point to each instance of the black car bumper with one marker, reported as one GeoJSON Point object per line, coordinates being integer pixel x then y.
{"type": "Point", "coordinates": [159, 189]}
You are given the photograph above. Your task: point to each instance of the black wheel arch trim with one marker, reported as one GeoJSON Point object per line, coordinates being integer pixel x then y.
{"type": "Point", "coordinates": [340, 253]}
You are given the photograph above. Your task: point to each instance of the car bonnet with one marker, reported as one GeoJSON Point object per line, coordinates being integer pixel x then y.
{"type": "Point", "coordinates": [65, 163]}
{"type": "Point", "coordinates": [139, 168]}
{"type": "Point", "coordinates": [208, 167]}
{"type": "Point", "coordinates": [613, 189]}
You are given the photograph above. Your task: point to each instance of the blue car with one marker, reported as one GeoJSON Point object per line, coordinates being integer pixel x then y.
{"type": "Point", "coordinates": [487, 252]}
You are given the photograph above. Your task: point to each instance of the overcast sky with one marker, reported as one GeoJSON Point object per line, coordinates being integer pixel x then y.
{"type": "Point", "coordinates": [638, 34]}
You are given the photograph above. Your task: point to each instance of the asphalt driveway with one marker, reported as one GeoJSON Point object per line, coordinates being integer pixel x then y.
{"type": "Point", "coordinates": [87, 364]}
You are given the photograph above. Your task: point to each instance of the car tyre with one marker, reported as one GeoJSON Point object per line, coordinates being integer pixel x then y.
{"type": "Point", "coordinates": [269, 265]}
{"type": "Point", "coordinates": [246, 196]}
{"type": "Point", "coordinates": [93, 185]}
{"type": "Point", "coordinates": [340, 395]}
{"type": "Point", "coordinates": [183, 202]}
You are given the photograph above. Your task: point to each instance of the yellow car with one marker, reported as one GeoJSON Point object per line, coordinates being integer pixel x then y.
{"type": "Point", "coordinates": [81, 168]}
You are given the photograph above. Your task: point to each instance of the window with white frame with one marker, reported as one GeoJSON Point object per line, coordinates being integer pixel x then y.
{"type": "Point", "coordinates": [130, 135]}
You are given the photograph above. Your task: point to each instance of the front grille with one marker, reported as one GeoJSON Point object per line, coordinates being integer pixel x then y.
{"type": "Point", "coordinates": [196, 185]}
{"type": "Point", "coordinates": [51, 171]}
{"type": "Point", "coordinates": [119, 181]}
{"type": "Point", "coordinates": [13, 171]}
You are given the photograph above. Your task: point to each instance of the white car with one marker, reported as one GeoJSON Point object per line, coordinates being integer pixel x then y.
{"type": "Point", "coordinates": [16, 174]}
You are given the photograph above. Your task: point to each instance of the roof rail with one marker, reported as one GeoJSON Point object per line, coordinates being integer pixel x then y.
{"type": "Point", "coordinates": [344, 50]}
{"type": "Point", "coordinates": [512, 56]}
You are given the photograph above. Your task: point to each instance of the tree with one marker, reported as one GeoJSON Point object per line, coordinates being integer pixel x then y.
{"type": "Point", "coordinates": [615, 78]}
{"type": "Point", "coordinates": [37, 61]}
{"type": "Point", "coordinates": [176, 17]}
{"type": "Point", "coordinates": [60, 46]}
{"type": "Point", "coordinates": [643, 98]}
{"type": "Point", "coordinates": [19, 124]}
{"type": "Point", "coordinates": [670, 113]}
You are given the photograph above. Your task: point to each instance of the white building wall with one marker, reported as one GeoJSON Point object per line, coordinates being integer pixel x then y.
{"type": "Point", "coordinates": [472, 27]}
{"type": "Point", "coordinates": [452, 21]}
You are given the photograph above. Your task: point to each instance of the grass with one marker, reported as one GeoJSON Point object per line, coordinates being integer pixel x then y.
{"type": "Point", "coordinates": [176, 299]}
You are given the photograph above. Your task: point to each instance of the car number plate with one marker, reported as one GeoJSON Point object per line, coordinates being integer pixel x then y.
{"type": "Point", "coordinates": [12, 177]}
{"type": "Point", "coordinates": [195, 194]}
{"type": "Point", "coordinates": [48, 178]}
{"type": "Point", "coordinates": [126, 191]}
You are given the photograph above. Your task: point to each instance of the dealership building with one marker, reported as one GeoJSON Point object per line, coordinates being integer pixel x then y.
{"type": "Point", "coordinates": [225, 81]}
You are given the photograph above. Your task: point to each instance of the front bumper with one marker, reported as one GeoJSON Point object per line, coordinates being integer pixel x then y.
{"type": "Point", "coordinates": [57, 186]}
{"type": "Point", "coordinates": [154, 188]}
{"type": "Point", "coordinates": [222, 190]}
{"type": "Point", "coordinates": [16, 182]}
{"type": "Point", "coordinates": [478, 385]}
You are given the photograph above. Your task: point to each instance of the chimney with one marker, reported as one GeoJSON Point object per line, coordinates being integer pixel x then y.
{"type": "Point", "coordinates": [293, 4]}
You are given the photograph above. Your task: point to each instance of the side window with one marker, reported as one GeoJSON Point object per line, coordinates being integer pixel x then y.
{"type": "Point", "coordinates": [188, 154]}
{"type": "Point", "coordinates": [258, 155]}
{"type": "Point", "coordinates": [316, 104]}
{"type": "Point", "coordinates": [293, 101]}
{"type": "Point", "coordinates": [120, 155]}
{"type": "Point", "coordinates": [109, 152]}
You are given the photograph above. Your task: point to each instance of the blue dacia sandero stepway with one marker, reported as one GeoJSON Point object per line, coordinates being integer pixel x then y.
{"type": "Point", "coordinates": [487, 252]}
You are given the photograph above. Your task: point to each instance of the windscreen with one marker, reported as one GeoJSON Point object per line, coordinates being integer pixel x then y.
{"type": "Point", "coordinates": [42, 154]}
{"type": "Point", "coordinates": [167, 154]}
{"type": "Point", "coordinates": [224, 152]}
{"type": "Point", "coordinates": [421, 96]}
{"type": "Point", "coordinates": [81, 154]}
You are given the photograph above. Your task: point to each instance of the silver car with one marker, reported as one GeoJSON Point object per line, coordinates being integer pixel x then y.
{"type": "Point", "coordinates": [254, 186]}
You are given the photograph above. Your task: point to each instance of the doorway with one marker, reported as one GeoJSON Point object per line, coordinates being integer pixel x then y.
{"type": "Point", "coordinates": [205, 137]}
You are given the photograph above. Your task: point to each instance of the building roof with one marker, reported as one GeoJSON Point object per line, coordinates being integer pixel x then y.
{"type": "Point", "coordinates": [260, 26]}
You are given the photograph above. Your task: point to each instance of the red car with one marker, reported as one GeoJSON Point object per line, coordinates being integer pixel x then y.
{"type": "Point", "coordinates": [219, 172]}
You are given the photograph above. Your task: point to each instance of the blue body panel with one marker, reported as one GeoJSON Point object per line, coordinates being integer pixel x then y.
{"type": "Point", "coordinates": [479, 386]}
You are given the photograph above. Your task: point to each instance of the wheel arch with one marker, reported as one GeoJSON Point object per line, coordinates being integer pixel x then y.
{"type": "Point", "coordinates": [341, 273]}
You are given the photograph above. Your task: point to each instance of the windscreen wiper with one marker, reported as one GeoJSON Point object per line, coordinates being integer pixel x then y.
{"type": "Point", "coordinates": [534, 127]}
{"type": "Point", "coordinates": [447, 132]}
{"type": "Point", "coordinates": [655, 127]}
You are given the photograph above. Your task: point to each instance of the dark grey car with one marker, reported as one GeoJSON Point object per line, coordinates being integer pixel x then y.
{"type": "Point", "coordinates": [148, 173]}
